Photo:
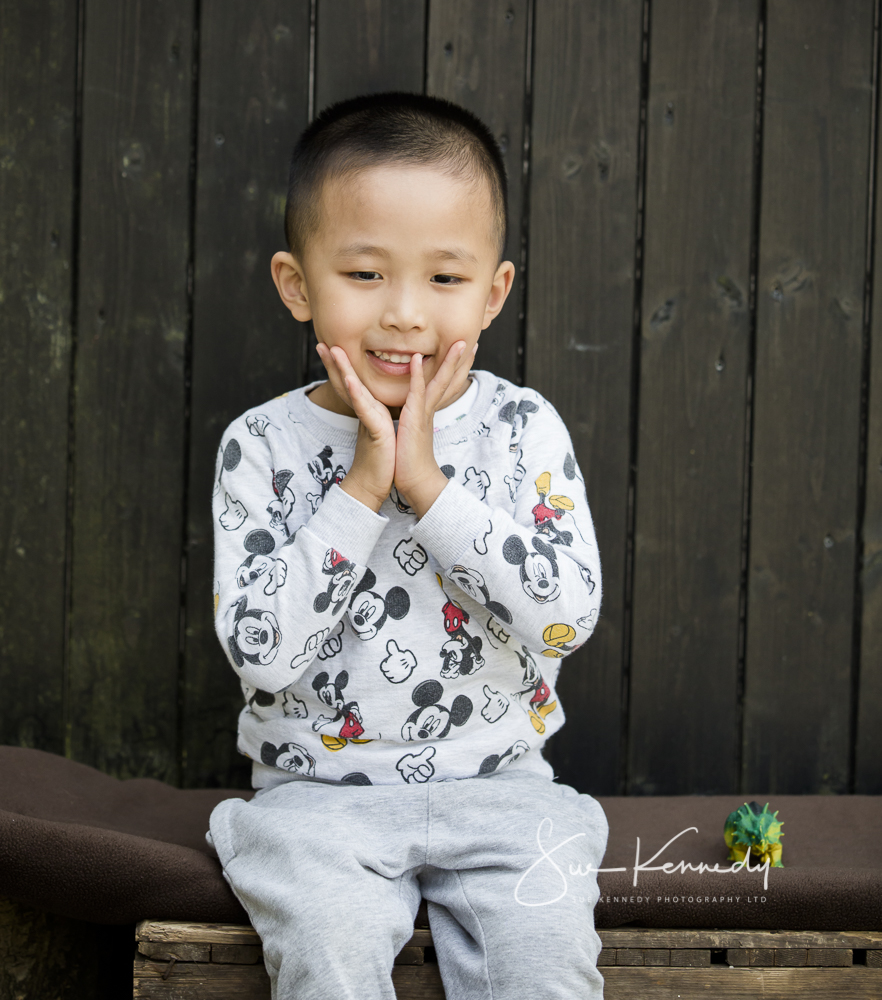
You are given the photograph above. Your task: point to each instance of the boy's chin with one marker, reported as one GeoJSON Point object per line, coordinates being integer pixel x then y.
{"type": "Point", "coordinates": [391, 400]}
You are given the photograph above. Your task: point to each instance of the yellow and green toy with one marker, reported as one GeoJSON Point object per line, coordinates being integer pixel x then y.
{"type": "Point", "coordinates": [756, 830]}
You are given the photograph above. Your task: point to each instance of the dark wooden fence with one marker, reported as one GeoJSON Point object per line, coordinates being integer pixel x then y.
{"type": "Point", "coordinates": [694, 218]}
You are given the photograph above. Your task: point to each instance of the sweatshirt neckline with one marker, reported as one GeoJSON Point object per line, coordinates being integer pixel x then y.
{"type": "Point", "coordinates": [456, 433]}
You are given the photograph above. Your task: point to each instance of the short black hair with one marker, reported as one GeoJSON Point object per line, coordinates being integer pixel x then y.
{"type": "Point", "coordinates": [392, 127]}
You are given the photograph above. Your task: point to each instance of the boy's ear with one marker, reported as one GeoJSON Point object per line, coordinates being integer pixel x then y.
{"type": "Point", "coordinates": [502, 282]}
{"type": "Point", "coordinates": [291, 284]}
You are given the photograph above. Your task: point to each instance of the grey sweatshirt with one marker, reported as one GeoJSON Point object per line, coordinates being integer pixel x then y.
{"type": "Point", "coordinates": [375, 648]}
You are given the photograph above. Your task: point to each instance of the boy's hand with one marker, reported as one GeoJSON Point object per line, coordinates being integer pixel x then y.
{"type": "Point", "coordinates": [369, 479]}
{"type": "Point", "coordinates": [417, 475]}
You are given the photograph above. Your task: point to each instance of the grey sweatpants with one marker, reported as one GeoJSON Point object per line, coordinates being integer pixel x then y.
{"type": "Point", "coordinates": [331, 876]}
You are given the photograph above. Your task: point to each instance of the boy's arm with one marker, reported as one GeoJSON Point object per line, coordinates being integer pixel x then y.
{"type": "Point", "coordinates": [281, 589]}
{"type": "Point", "coordinates": [536, 571]}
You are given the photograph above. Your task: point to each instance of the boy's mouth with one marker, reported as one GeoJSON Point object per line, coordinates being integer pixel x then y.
{"type": "Point", "coordinates": [396, 359]}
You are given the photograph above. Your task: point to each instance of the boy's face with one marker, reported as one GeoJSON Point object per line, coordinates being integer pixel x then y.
{"type": "Point", "coordinates": [404, 262]}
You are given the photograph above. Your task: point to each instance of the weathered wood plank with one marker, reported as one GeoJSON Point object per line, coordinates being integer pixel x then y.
{"type": "Point", "coordinates": [130, 392]}
{"type": "Point", "coordinates": [807, 403]}
{"type": "Point", "coordinates": [657, 956]}
{"type": "Point", "coordinates": [227, 934]}
{"type": "Point", "coordinates": [418, 982]}
{"type": "Point", "coordinates": [739, 957]}
{"type": "Point", "coordinates": [618, 937]}
{"type": "Point", "coordinates": [236, 954]}
{"type": "Point", "coordinates": [629, 956]}
{"type": "Point", "coordinates": [192, 981]}
{"type": "Point", "coordinates": [195, 981]}
{"type": "Point", "coordinates": [772, 984]}
{"type": "Point", "coordinates": [829, 956]}
{"type": "Point", "coordinates": [186, 981]}
{"type": "Point", "coordinates": [180, 951]}
{"type": "Point", "coordinates": [689, 958]}
{"type": "Point", "coordinates": [868, 738]}
{"type": "Point", "coordinates": [693, 388]}
{"type": "Point", "coordinates": [583, 215]}
{"type": "Point", "coordinates": [37, 111]}
{"type": "Point", "coordinates": [791, 957]}
{"type": "Point", "coordinates": [188, 931]}
{"type": "Point", "coordinates": [662, 937]}
{"type": "Point", "coordinates": [761, 956]}
{"type": "Point", "coordinates": [477, 56]}
{"type": "Point", "coordinates": [246, 346]}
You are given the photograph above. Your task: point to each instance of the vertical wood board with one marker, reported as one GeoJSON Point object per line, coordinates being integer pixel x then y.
{"type": "Point", "coordinates": [129, 416]}
{"type": "Point", "coordinates": [477, 57]}
{"type": "Point", "coordinates": [37, 117]}
{"type": "Point", "coordinates": [693, 387]}
{"type": "Point", "coordinates": [368, 46]}
{"type": "Point", "coordinates": [253, 103]}
{"type": "Point", "coordinates": [816, 130]}
{"type": "Point", "coordinates": [868, 738]}
{"type": "Point", "coordinates": [580, 297]}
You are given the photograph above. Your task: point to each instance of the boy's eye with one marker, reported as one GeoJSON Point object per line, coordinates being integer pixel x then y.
{"type": "Point", "coordinates": [364, 275]}
{"type": "Point", "coordinates": [446, 279]}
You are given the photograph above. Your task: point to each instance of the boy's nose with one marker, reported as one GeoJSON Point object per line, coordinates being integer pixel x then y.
{"type": "Point", "coordinates": [403, 310]}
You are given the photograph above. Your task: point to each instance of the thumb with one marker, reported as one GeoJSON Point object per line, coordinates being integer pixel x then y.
{"type": "Point", "coordinates": [488, 691]}
{"type": "Point", "coordinates": [391, 647]}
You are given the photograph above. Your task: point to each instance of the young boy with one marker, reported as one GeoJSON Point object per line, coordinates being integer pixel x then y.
{"type": "Point", "coordinates": [404, 553]}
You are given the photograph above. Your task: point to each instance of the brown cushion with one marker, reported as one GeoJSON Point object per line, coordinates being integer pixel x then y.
{"type": "Point", "coordinates": [831, 879]}
{"type": "Point", "coordinates": [79, 843]}
{"type": "Point", "coordinates": [76, 842]}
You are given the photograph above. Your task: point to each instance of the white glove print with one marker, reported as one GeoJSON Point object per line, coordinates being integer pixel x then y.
{"type": "Point", "coordinates": [417, 766]}
{"type": "Point", "coordinates": [399, 664]}
{"type": "Point", "coordinates": [589, 620]}
{"type": "Point", "coordinates": [496, 707]}
{"type": "Point", "coordinates": [277, 576]}
{"type": "Point", "coordinates": [293, 706]}
{"type": "Point", "coordinates": [235, 514]}
{"type": "Point", "coordinates": [310, 649]}
{"type": "Point", "coordinates": [257, 424]}
{"type": "Point", "coordinates": [476, 482]}
{"type": "Point", "coordinates": [411, 556]}
{"type": "Point", "coordinates": [333, 644]}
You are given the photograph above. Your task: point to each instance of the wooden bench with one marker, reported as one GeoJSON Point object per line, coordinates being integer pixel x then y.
{"type": "Point", "coordinates": [180, 961]}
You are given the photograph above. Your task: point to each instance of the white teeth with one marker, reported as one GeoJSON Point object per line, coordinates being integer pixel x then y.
{"type": "Point", "coordinates": [396, 359]}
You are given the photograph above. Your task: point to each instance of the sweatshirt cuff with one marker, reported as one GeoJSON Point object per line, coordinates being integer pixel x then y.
{"type": "Point", "coordinates": [452, 523]}
{"type": "Point", "coordinates": [347, 525]}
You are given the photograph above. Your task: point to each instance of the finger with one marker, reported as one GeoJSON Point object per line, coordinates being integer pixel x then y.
{"type": "Point", "coordinates": [446, 372]}
{"type": "Point", "coordinates": [463, 368]}
{"type": "Point", "coordinates": [372, 414]}
{"type": "Point", "coordinates": [344, 365]}
{"type": "Point", "coordinates": [354, 387]}
{"type": "Point", "coordinates": [417, 375]}
{"type": "Point", "coordinates": [335, 376]}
